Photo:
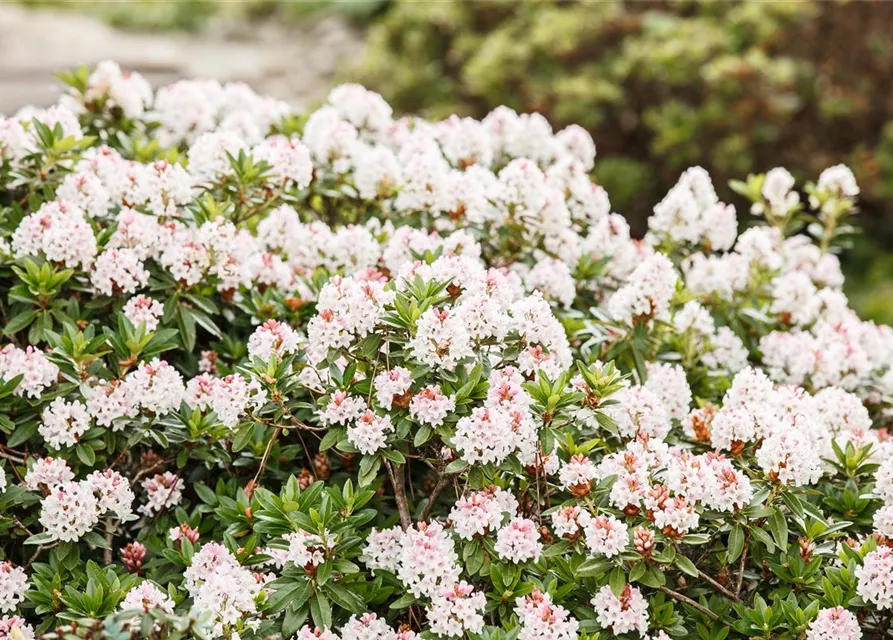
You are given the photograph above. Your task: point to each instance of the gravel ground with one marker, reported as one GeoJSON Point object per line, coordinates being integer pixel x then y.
{"type": "Point", "coordinates": [296, 63]}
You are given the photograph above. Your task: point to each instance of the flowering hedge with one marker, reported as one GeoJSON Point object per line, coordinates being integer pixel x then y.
{"type": "Point", "coordinates": [347, 376]}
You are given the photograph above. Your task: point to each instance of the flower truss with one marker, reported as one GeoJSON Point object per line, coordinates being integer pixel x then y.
{"type": "Point", "coordinates": [352, 377]}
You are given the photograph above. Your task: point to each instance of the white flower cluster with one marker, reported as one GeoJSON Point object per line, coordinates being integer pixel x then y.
{"type": "Point", "coordinates": [220, 586]}
{"type": "Point", "coordinates": [71, 509]}
{"type": "Point", "coordinates": [13, 584]}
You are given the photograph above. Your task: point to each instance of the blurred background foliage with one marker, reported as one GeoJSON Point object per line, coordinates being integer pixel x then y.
{"type": "Point", "coordinates": [193, 15]}
{"type": "Point", "coordinates": [736, 87]}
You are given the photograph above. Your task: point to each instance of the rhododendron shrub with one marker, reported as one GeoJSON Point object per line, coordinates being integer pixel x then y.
{"type": "Point", "coordinates": [349, 376]}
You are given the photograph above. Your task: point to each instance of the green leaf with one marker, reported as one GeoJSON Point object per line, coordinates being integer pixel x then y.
{"type": "Point", "coordinates": [637, 571]}
{"type": "Point", "coordinates": [243, 437]}
{"type": "Point", "coordinates": [778, 525]}
{"type": "Point", "coordinates": [293, 620]}
{"type": "Point", "coordinates": [86, 454]}
{"type": "Point", "coordinates": [330, 439]}
{"type": "Point", "coordinates": [205, 494]}
{"type": "Point", "coordinates": [736, 544]}
{"type": "Point", "coordinates": [617, 580]}
{"type": "Point", "coordinates": [186, 324]}
{"type": "Point", "coordinates": [593, 567]}
{"type": "Point", "coordinates": [97, 540]}
{"type": "Point", "coordinates": [369, 466]}
{"type": "Point", "coordinates": [793, 503]}
{"type": "Point", "coordinates": [321, 611]}
{"type": "Point", "coordinates": [422, 435]}
{"type": "Point", "coordinates": [40, 538]}
{"type": "Point", "coordinates": [19, 322]}
{"type": "Point", "coordinates": [685, 565]}
{"type": "Point", "coordinates": [393, 455]}
{"type": "Point", "coordinates": [653, 578]}
{"type": "Point", "coordinates": [23, 433]}
{"type": "Point", "coordinates": [345, 598]}
{"type": "Point", "coordinates": [456, 466]}
{"type": "Point", "coordinates": [403, 601]}
{"type": "Point", "coordinates": [760, 535]}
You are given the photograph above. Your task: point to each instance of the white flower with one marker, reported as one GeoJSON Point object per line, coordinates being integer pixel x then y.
{"type": "Point", "coordinates": [391, 384]}
{"type": "Point", "coordinates": [606, 535]}
{"type": "Point", "coordinates": [143, 309]}
{"type": "Point", "coordinates": [113, 493]}
{"type": "Point", "coordinates": [156, 385]}
{"type": "Point", "coordinates": [163, 490]}
{"type": "Point", "coordinates": [778, 191]}
{"type": "Point", "coordinates": [63, 423]}
{"type": "Point", "coordinates": [369, 433]}
{"type": "Point", "coordinates": [429, 406]}
{"type": "Point", "coordinates": [838, 180]}
{"type": "Point", "coordinates": [48, 472]}
{"type": "Point", "coordinates": [13, 584]}
{"type": "Point", "coordinates": [481, 512]}
{"type": "Point", "coordinates": [69, 511]}
{"type": "Point", "coordinates": [519, 541]}
{"type": "Point", "coordinates": [456, 610]}
{"type": "Point", "coordinates": [623, 614]}
{"type": "Point", "coordinates": [876, 578]}
{"type": "Point", "coordinates": [639, 410]}
{"type": "Point", "coordinates": [648, 292]}
{"type": "Point", "coordinates": [145, 597]}
{"type": "Point", "coordinates": [428, 559]}
{"type": "Point", "coordinates": [383, 549]}
{"type": "Point", "coordinates": [272, 339]}
{"type": "Point", "coordinates": [541, 619]}
{"type": "Point", "coordinates": [835, 623]}
{"type": "Point", "coordinates": [36, 370]}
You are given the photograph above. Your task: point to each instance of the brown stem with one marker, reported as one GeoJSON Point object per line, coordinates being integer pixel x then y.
{"type": "Point", "coordinates": [150, 469]}
{"type": "Point", "coordinates": [718, 586]}
{"type": "Point", "coordinates": [296, 423]}
{"type": "Point", "coordinates": [741, 566]}
{"type": "Point", "coordinates": [4, 453]}
{"type": "Point", "coordinates": [443, 480]}
{"type": "Point", "coordinates": [265, 459]}
{"type": "Point", "coordinates": [40, 550]}
{"type": "Point", "coordinates": [686, 600]}
{"type": "Point", "coordinates": [396, 475]}
{"type": "Point", "coordinates": [18, 523]}
{"type": "Point", "coordinates": [109, 537]}
{"type": "Point", "coordinates": [120, 457]}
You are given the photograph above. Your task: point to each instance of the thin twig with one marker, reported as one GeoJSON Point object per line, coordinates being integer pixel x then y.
{"type": "Point", "coordinates": [538, 461]}
{"type": "Point", "coordinates": [686, 600]}
{"type": "Point", "coordinates": [718, 586]}
{"type": "Point", "coordinates": [120, 457]}
{"type": "Point", "coordinates": [109, 538]}
{"type": "Point", "coordinates": [150, 469]}
{"type": "Point", "coordinates": [741, 566]}
{"type": "Point", "coordinates": [18, 523]}
{"type": "Point", "coordinates": [40, 550]}
{"type": "Point", "coordinates": [311, 466]}
{"type": "Point", "coordinates": [8, 453]}
{"type": "Point", "coordinates": [263, 461]}
{"type": "Point", "coordinates": [9, 456]}
{"type": "Point", "coordinates": [443, 480]}
{"type": "Point", "coordinates": [296, 423]}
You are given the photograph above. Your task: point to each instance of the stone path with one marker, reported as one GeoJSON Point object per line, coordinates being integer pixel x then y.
{"type": "Point", "coordinates": [296, 63]}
